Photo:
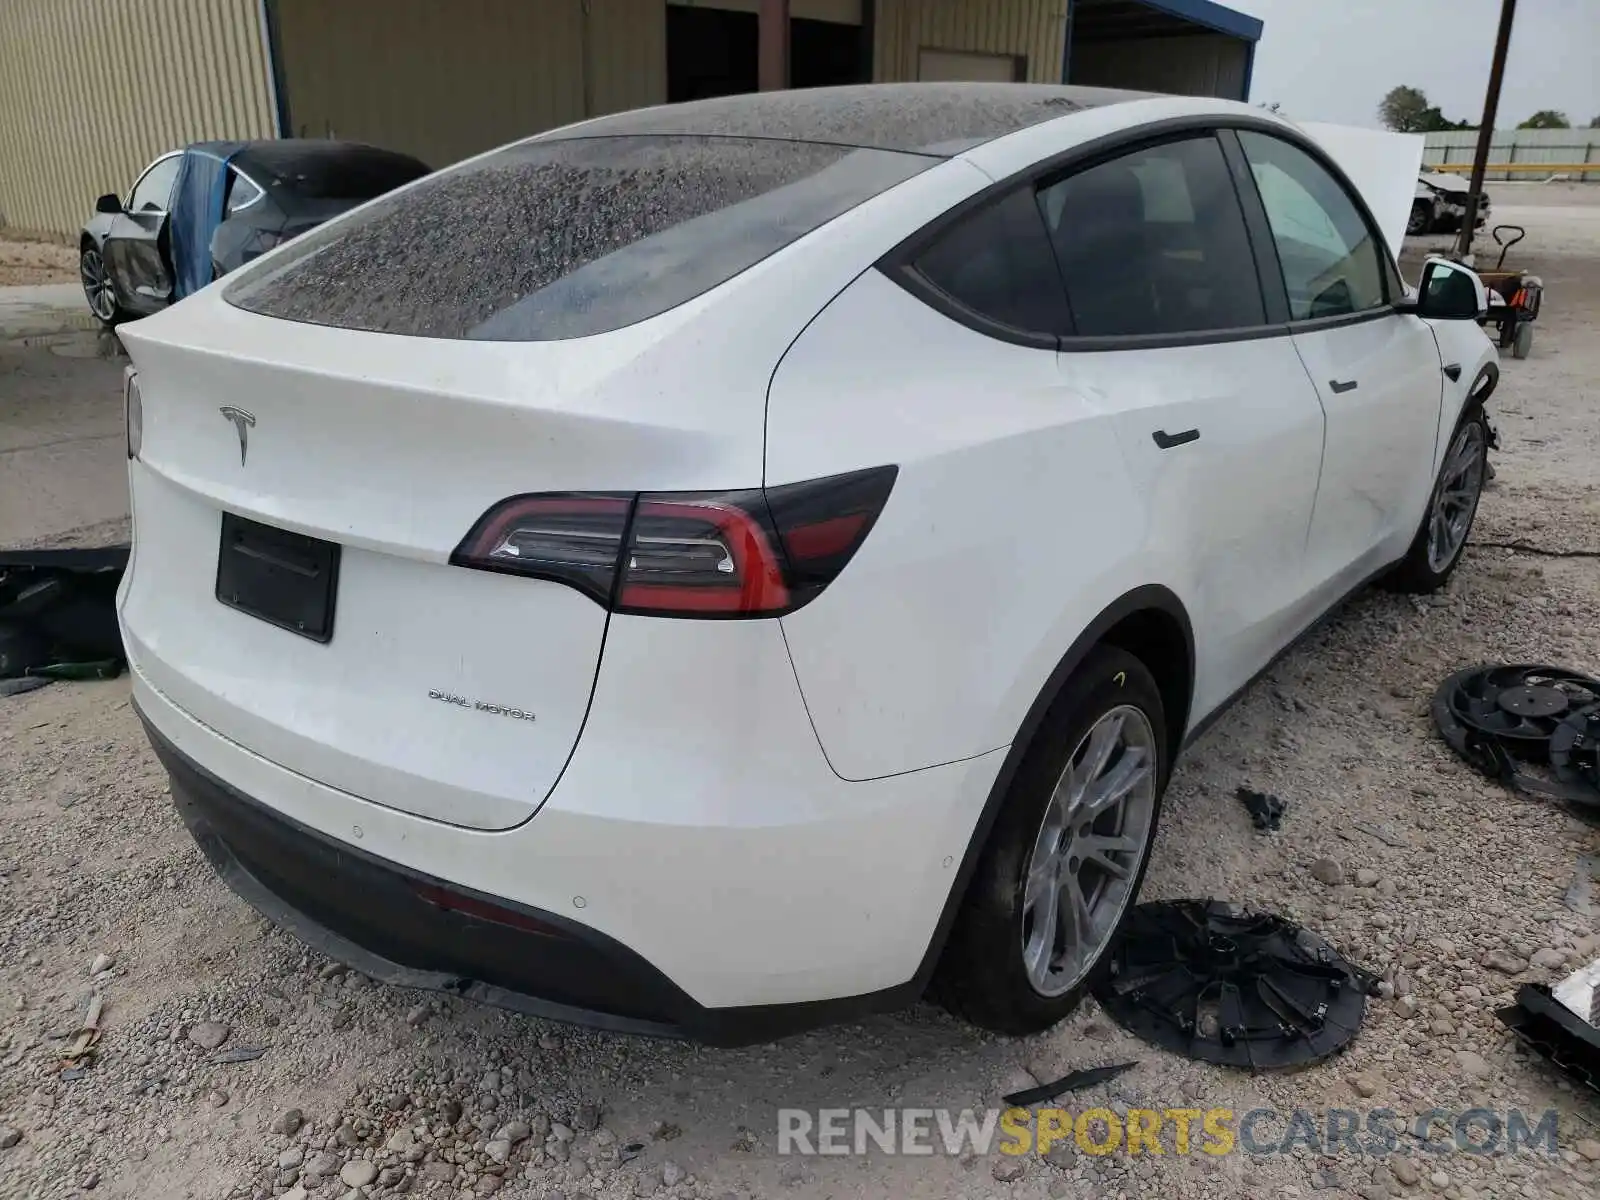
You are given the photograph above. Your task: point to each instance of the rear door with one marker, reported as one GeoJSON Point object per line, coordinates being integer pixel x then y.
{"type": "Point", "coordinates": [1173, 335]}
{"type": "Point", "coordinates": [136, 247]}
{"type": "Point", "coordinates": [1377, 372]}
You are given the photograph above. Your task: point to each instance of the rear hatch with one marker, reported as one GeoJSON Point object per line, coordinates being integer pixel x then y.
{"type": "Point", "coordinates": [317, 439]}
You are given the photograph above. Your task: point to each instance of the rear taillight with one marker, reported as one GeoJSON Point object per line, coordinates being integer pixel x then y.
{"type": "Point", "coordinates": [755, 553]}
{"type": "Point", "coordinates": [133, 411]}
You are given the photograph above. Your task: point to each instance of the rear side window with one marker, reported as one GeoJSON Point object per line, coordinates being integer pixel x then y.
{"type": "Point", "coordinates": [1154, 242]}
{"type": "Point", "coordinates": [561, 239]}
{"type": "Point", "coordinates": [1333, 264]}
{"type": "Point", "coordinates": [997, 263]}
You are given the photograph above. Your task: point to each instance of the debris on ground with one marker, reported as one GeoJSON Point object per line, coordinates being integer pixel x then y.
{"type": "Point", "coordinates": [1562, 1024]}
{"type": "Point", "coordinates": [1580, 897]}
{"type": "Point", "coordinates": [1074, 1081]}
{"type": "Point", "coordinates": [1504, 718]}
{"type": "Point", "coordinates": [58, 617]}
{"type": "Point", "coordinates": [88, 1032]}
{"type": "Point", "coordinates": [1266, 811]}
{"type": "Point", "coordinates": [1207, 981]}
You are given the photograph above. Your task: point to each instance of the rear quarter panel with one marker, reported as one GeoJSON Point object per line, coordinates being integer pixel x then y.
{"type": "Point", "coordinates": [1011, 526]}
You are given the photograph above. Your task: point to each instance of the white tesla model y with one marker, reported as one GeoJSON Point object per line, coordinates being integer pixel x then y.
{"type": "Point", "coordinates": [721, 568]}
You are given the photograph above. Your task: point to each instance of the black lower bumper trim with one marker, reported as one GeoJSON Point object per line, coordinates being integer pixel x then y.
{"type": "Point", "coordinates": [406, 928]}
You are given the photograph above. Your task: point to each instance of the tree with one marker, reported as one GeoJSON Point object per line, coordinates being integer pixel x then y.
{"type": "Point", "coordinates": [1547, 118]}
{"type": "Point", "coordinates": [1405, 110]}
{"type": "Point", "coordinates": [1434, 121]}
{"type": "Point", "coordinates": [1595, 124]}
{"type": "Point", "coordinates": [1276, 107]}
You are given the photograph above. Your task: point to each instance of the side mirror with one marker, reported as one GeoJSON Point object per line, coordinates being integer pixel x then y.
{"type": "Point", "coordinates": [1449, 292]}
{"type": "Point", "coordinates": [110, 203]}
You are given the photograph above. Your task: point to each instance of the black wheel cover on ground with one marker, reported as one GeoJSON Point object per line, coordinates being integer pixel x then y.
{"type": "Point", "coordinates": [1203, 980]}
{"type": "Point", "coordinates": [1496, 717]}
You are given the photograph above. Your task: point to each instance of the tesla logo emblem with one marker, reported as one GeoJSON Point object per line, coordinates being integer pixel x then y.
{"type": "Point", "coordinates": [242, 421]}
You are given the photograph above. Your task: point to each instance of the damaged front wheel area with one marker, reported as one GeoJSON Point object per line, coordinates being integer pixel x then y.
{"type": "Point", "coordinates": [1068, 851]}
{"type": "Point", "coordinates": [1452, 507]}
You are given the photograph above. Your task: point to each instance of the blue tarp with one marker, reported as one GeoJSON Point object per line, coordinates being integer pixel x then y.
{"type": "Point", "coordinates": [196, 211]}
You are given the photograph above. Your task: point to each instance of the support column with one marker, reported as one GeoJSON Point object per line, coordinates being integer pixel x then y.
{"type": "Point", "coordinates": [772, 55]}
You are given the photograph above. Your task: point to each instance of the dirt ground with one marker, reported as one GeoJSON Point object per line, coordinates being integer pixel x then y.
{"type": "Point", "coordinates": [36, 262]}
{"type": "Point", "coordinates": [1457, 904]}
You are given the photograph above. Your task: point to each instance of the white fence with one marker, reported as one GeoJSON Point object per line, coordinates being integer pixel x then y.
{"type": "Point", "coordinates": [1527, 147]}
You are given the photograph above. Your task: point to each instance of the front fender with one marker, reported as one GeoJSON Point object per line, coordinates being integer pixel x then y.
{"type": "Point", "coordinates": [1462, 343]}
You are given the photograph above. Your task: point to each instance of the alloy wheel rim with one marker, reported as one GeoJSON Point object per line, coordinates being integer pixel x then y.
{"type": "Point", "coordinates": [1080, 876]}
{"type": "Point", "coordinates": [97, 285]}
{"type": "Point", "coordinates": [1455, 499]}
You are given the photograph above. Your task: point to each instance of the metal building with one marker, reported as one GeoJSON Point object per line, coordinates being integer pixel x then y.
{"type": "Point", "coordinates": [91, 90]}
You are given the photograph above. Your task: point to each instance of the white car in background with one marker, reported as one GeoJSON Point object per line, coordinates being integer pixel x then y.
{"type": "Point", "coordinates": [720, 568]}
{"type": "Point", "coordinates": [1440, 204]}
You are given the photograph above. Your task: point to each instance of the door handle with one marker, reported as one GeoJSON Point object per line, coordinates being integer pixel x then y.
{"type": "Point", "coordinates": [1454, 371]}
{"type": "Point", "coordinates": [1167, 440]}
{"type": "Point", "coordinates": [1346, 385]}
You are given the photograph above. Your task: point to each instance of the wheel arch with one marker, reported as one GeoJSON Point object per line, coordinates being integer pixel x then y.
{"type": "Point", "coordinates": [1149, 622]}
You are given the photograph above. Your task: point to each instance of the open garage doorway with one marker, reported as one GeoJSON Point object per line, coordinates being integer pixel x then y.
{"type": "Point", "coordinates": [712, 47]}
{"type": "Point", "coordinates": [710, 52]}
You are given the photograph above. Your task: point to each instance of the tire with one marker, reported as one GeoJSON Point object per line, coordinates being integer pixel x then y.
{"type": "Point", "coordinates": [1427, 565]}
{"type": "Point", "coordinates": [984, 974]}
{"type": "Point", "coordinates": [94, 273]}
{"type": "Point", "coordinates": [1522, 340]}
{"type": "Point", "coordinates": [1420, 221]}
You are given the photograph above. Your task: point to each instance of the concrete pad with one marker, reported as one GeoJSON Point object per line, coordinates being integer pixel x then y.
{"type": "Point", "coordinates": [45, 308]}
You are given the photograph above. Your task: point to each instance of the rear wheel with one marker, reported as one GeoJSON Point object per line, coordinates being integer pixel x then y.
{"type": "Point", "coordinates": [1452, 506]}
{"type": "Point", "coordinates": [1420, 220]}
{"type": "Point", "coordinates": [98, 288]}
{"type": "Point", "coordinates": [1068, 851]}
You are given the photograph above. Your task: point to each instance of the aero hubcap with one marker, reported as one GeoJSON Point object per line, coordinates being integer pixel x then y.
{"type": "Point", "coordinates": [1081, 872]}
{"type": "Point", "coordinates": [97, 285]}
{"type": "Point", "coordinates": [1455, 499]}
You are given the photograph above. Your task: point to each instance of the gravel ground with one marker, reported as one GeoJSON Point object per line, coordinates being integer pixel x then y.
{"type": "Point", "coordinates": [235, 1064]}
{"type": "Point", "coordinates": [36, 262]}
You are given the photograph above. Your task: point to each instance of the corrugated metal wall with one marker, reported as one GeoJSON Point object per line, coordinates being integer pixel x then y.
{"type": "Point", "coordinates": [1194, 65]}
{"type": "Point", "coordinates": [441, 81]}
{"type": "Point", "coordinates": [1564, 146]}
{"type": "Point", "coordinates": [627, 54]}
{"type": "Point", "coordinates": [92, 90]}
{"type": "Point", "coordinates": [1031, 29]}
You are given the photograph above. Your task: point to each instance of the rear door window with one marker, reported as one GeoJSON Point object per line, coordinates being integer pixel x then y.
{"type": "Point", "coordinates": [242, 192]}
{"type": "Point", "coordinates": [1154, 242]}
{"type": "Point", "coordinates": [553, 239]}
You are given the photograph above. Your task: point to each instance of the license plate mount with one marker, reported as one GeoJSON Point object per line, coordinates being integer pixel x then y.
{"type": "Point", "coordinates": [285, 579]}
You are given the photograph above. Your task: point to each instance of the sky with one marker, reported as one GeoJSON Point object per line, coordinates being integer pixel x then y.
{"type": "Point", "coordinates": [1333, 60]}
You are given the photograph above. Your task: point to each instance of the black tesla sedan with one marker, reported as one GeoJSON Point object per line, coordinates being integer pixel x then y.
{"type": "Point", "coordinates": [197, 213]}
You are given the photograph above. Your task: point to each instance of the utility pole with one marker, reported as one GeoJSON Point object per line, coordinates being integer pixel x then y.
{"type": "Point", "coordinates": [1491, 107]}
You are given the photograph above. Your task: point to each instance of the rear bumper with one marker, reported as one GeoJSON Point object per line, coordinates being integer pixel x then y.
{"type": "Point", "coordinates": [409, 929]}
{"type": "Point", "coordinates": [413, 930]}
{"type": "Point", "coordinates": [728, 935]}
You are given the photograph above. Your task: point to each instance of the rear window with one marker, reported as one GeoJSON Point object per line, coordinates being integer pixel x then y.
{"type": "Point", "coordinates": [560, 239]}
{"type": "Point", "coordinates": [350, 174]}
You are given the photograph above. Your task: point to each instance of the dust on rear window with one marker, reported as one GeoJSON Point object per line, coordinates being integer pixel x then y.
{"type": "Point", "coordinates": [559, 239]}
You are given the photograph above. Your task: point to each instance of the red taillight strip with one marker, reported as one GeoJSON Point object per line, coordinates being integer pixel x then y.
{"type": "Point", "coordinates": [758, 586]}
{"type": "Point", "coordinates": [759, 552]}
